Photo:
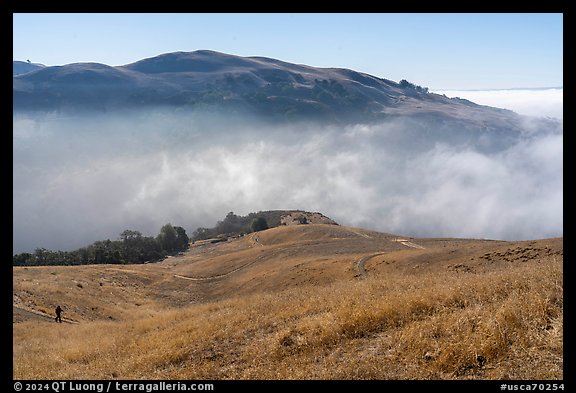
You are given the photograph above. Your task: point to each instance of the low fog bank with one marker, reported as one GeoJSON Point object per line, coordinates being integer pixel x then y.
{"type": "Point", "coordinates": [547, 102]}
{"type": "Point", "coordinates": [78, 180]}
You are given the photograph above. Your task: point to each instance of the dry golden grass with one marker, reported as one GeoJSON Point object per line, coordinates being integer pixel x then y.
{"type": "Point", "coordinates": [504, 322]}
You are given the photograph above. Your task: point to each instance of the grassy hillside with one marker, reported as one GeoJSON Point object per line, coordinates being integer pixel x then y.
{"type": "Point", "coordinates": [301, 302]}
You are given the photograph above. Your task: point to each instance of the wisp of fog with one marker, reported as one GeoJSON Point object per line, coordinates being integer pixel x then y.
{"type": "Point", "coordinates": [78, 179]}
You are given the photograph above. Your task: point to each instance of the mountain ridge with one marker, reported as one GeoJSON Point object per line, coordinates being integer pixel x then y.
{"type": "Point", "coordinates": [23, 67]}
{"type": "Point", "coordinates": [258, 85]}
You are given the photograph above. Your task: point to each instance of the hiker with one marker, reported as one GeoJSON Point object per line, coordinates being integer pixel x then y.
{"type": "Point", "coordinates": [58, 312]}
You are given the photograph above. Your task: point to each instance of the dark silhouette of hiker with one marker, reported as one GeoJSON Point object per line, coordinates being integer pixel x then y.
{"type": "Point", "coordinates": [58, 312]}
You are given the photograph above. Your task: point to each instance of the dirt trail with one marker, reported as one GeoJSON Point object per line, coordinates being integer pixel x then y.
{"type": "Point", "coordinates": [255, 239]}
{"type": "Point", "coordinates": [359, 266]}
{"type": "Point", "coordinates": [26, 312]}
{"type": "Point", "coordinates": [356, 231]}
{"type": "Point", "coordinates": [408, 243]}
{"type": "Point", "coordinates": [216, 276]}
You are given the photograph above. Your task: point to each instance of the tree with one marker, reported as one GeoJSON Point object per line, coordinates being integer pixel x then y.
{"type": "Point", "coordinates": [201, 234]}
{"type": "Point", "coordinates": [167, 238]}
{"type": "Point", "coordinates": [259, 224]}
{"type": "Point", "coordinates": [405, 84]}
{"type": "Point", "coordinates": [131, 245]}
{"type": "Point", "coordinates": [22, 259]}
{"type": "Point", "coordinates": [128, 235]}
{"type": "Point", "coordinates": [150, 250]}
{"type": "Point", "coordinates": [230, 224]}
{"type": "Point", "coordinates": [40, 256]}
{"type": "Point", "coordinates": [182, 239]}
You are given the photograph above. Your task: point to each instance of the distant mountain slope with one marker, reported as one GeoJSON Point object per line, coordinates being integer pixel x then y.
{"type": "Point", "coordinates": [23, 67]}
{"type": "Point", "coordinates": [266, 87]}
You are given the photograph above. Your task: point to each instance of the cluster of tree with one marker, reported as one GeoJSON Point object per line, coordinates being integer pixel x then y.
{"type": "Point", "coordinates": [405, 84]}
{"type": "Point", "coordinates": [234, 225]}
{"type": "Point", "coordinates": [131, 247]}
{"type": "Point", "coordinates": [291, 100]}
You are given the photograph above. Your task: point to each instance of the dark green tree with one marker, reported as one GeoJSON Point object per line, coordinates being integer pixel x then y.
{"type": "Point", "coordinates": [128, 236]}
{"type": "Point", "coordinates": [22, 259]}
{"type": "Point", "coordinates": [259, 224]}
{"type": "Point", "coordinates": [230, 224]}
{"type": "Point", "coordinates": [168, 238]}
{"type": "Point", "coordinates": [182, 239]}
{"type": "Point", "coordinates": [131, 245]}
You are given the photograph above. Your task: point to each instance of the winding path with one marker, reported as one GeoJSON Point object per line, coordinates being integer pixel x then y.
{"type": "Point", "coordinates": [359, 266]}
{"type": "Point", "coordinates": [218, 275]}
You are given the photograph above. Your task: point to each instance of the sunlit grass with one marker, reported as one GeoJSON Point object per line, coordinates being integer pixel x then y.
{"type": "Point", "coordinates": [500, 324]}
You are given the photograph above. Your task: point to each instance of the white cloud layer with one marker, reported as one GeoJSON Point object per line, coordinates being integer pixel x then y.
{"type": "Point", "coordinates": [81, 180]}
{"type": "Point", "coordinates": [531, 102]}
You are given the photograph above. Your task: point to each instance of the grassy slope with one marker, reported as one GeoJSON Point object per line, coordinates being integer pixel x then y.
{"type": "Point", "coordinates": [288, 303]}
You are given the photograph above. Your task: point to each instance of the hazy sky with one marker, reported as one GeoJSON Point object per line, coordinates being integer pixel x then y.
{"type": "Point", "coordinates": [439, 51]}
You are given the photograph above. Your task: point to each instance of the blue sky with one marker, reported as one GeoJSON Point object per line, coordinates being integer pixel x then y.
{"type": "Point", "coordinates": [439, 51]}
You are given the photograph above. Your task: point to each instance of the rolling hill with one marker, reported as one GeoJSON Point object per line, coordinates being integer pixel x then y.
{"type": "Point", "coordinates": [313, 301]}
{"type": "Point", "coordinates": [23, 67]}
{"type": "Point", "coordinates": [260, 86]}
